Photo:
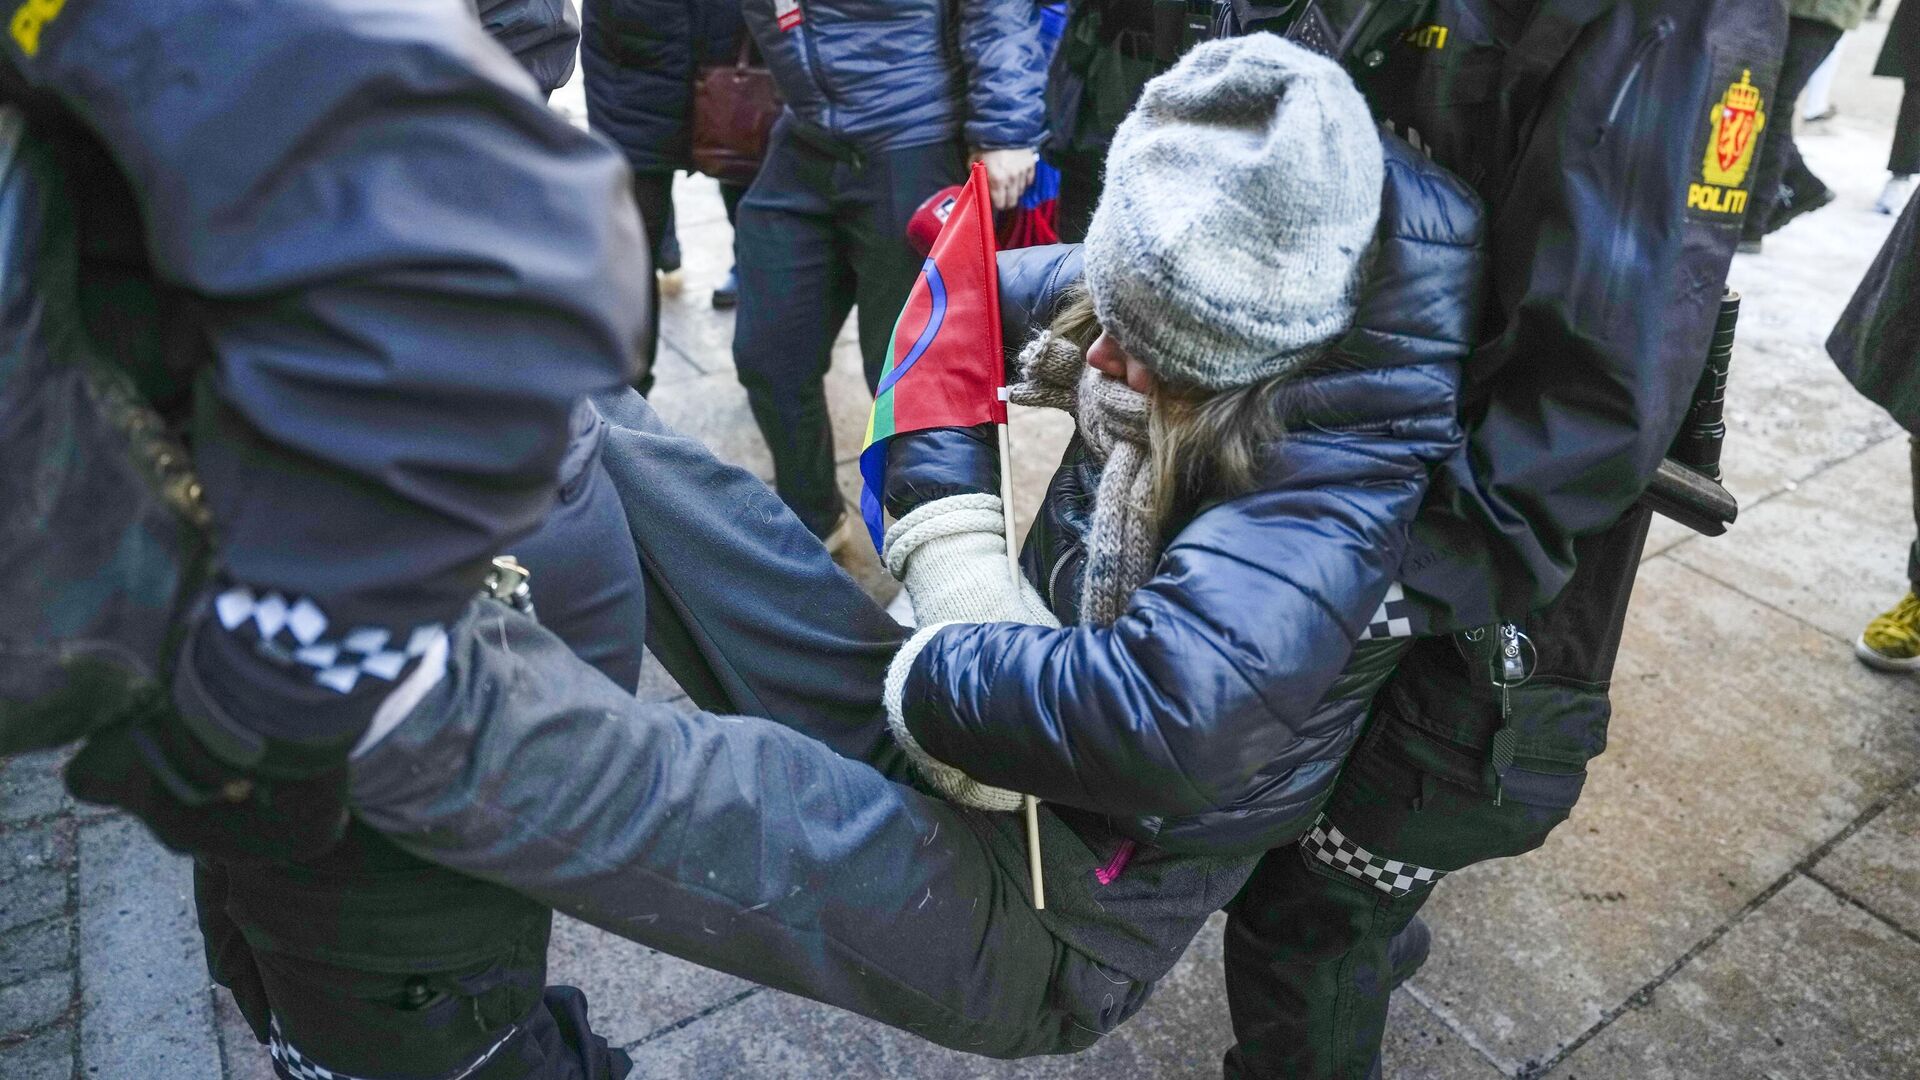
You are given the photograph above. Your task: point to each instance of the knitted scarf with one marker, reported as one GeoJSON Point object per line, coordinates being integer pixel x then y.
{"type": "Point", "coordinates": [1122, 544]}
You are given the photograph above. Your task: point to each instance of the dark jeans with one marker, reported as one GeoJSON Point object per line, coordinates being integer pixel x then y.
{"type": "Point", "coordinates": [376, 964]}
{"type": "Point", "coordinates": [1780, 164]}
{"type": "Point", "coordinates": [1905, 158]}
{"type": "Point", "coordinates": [823, 228]}
{"type": "Point", "coordinates": [653, 194]}
{"type": "Point", "coordinates": [1080, 183]}
{"type": "Point", "coordinates": [1307, 944]}
{"type": "Point", "coordinates": [730, 196]}
{"type": "Point", "coordinates": [1913, 554]}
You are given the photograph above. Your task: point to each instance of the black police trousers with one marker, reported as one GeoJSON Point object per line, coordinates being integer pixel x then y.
{"type": "Point", "coordinates": [1307, 937]}
{"type": "Point", "coordinates": [372, 964]}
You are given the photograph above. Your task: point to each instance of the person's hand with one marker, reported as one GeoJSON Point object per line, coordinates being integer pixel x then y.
{"type": "Point", "coordinates": [1008, 174]}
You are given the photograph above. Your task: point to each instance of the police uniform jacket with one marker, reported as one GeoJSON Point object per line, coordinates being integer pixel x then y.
{"type": "Point", "coordinates": [382, 274]}
{"type": "Point", "coordinates": [1614, 143]}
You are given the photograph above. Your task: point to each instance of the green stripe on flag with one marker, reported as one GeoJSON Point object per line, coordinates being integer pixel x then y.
{"type": "Point", "coordinates": [880, 420]}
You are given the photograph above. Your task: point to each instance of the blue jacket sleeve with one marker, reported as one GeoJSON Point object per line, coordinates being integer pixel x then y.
{"type": "Point", "coordinates": [1006, 73]}
{"type": "Point", "coordinates": [407, 269]}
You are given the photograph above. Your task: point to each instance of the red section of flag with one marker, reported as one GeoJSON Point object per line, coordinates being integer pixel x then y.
{"type": "Point", "coordinates": [952, 376]}
{"type": "Point", "coordinates": [945, 367]}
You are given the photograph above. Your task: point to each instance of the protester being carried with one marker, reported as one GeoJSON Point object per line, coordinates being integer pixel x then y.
{"type": "Point", "coordinates": [1284, 450]}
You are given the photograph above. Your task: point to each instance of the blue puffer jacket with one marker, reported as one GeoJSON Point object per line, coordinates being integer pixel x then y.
{"type": "Point", "coordinates": [639, 58]}
{"type": "Point", "coordinates": [885, 74]}
{"type": "Point", "coordinates": [1231, 689]}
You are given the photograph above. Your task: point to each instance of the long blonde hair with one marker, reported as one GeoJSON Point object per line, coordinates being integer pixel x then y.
{"type": "Point", "coordinates": [1201, 446]}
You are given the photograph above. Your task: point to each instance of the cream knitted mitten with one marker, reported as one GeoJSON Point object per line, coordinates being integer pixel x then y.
{"type": "Point", "coordinates": [951, 555]}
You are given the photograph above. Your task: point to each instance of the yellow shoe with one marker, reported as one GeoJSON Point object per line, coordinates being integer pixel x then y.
{"type": "Point", "coordinates": [1891, 642]}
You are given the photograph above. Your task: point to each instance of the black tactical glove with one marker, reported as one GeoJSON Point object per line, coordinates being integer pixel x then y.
{"type": "Point", "coordinates": [208, 785]}
{"type": "Point", "coordinates": [154, 768]}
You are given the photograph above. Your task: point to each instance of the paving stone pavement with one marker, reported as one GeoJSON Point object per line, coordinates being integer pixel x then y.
{"type": "Point", "coordinates": [1738, 894]}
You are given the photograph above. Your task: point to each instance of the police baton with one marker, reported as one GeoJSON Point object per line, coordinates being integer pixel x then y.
{"type": "Point", "coordinates": [1687, 486]}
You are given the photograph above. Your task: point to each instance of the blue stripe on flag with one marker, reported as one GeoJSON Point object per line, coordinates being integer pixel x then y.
{"type": "Point", "coordinates": [938, 289]}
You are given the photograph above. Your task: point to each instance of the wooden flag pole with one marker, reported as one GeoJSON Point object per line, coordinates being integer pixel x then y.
{"type": "Point", "coordinates": [1028, 804]}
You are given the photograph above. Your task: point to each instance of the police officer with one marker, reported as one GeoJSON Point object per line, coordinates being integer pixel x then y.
{"type": "Point", "coordinates": [349, 258]}
{"type": "Point", "coordinates": [1614, 142]}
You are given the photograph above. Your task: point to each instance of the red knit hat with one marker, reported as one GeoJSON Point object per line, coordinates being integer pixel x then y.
{"type": "Point", "coordinates": [924, 227]}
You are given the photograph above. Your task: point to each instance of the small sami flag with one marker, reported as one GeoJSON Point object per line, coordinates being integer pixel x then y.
{"type": "Point", "coordinates": [945, 368]}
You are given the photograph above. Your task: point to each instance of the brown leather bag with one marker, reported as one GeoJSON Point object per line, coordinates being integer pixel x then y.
{"type": "Point", "coordinates": [734, 107]}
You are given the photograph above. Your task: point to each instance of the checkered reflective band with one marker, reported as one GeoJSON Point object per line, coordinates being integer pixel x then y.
{"type": "Point", "coordinates": [1391, 876]}
{"type": "Point", "coordinates": [1393, 620]}
{"type": "Point", "coordinates": [296, 632]}
{"type": "Point", "coordinates": [291, 1064]}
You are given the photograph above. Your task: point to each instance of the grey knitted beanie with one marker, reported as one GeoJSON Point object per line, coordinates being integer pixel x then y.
{"type": "Point", "coordinates": [1241, 199]}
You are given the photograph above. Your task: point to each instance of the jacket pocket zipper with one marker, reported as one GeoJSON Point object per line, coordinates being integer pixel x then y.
{"type": "Point", "coordinates": [1053, 578]}
{"type": "Point", "coordinates": [1654, 38]}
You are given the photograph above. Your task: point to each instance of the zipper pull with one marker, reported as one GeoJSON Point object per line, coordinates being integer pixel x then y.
{"type": "Point", "coordinates": [1501, 756]}
{"type": "Point", "coordinates": [1508, 670]}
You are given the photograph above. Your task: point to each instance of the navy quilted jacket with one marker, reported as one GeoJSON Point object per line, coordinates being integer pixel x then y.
{"type": "Point", "coordinates": [639, 59]}
{"type": "Point", "coordinates": [1231, 689]}
{"type": "Point", "coordinates": [885, 74]}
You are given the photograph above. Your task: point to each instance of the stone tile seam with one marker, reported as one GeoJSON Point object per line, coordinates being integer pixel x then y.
{"type": "Point", "coordinates": [1459, 1028]}
{"type": "Point", "coordinates": [38, 822]}
{"type": "Point", "coordinates": [1803, 868]}
{"type": "Point", "coordinates": [1864, 907]}
{"type": "Point", "coordinates": [684, 354]}
{"type": "Point", "coordinates": [1779, 492]}
{"type": "Point", "coordinates": [1745, 595]}
{"type": "Point", "coordinates": [219, 1031]}
{"type": "Point", "coordinates": [689, 1021]}
{"type": "Point", "coordinates": [73, 945]}
{"type": "Point", "coordinates": [36, 924]}
{"type": "Point", "coordinates": [71, 912]}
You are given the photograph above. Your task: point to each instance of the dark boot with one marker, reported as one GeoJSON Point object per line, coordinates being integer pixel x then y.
{"type": "Point", "coordinates": [727, 293]}
{"type": "Point", "coordinates": [1802, 198]}
{"type": "Point", "coordinates": [1405, 953]}
{"type": "Point", "coordinates": [1408, 951]}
